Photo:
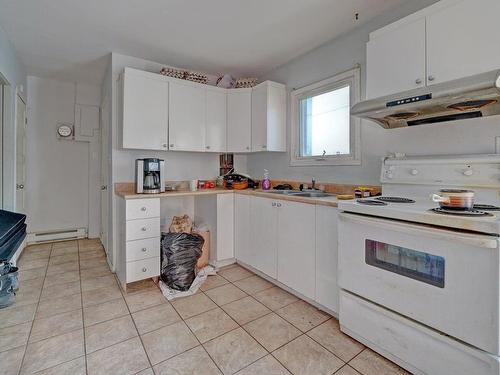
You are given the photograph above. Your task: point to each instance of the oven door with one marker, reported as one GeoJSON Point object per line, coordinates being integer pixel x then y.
{"type": "Point", "coordinates": [445, 279]}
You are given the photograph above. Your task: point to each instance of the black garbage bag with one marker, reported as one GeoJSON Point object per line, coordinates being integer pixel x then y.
{"type": "Point", "coordinates": [179, 255]}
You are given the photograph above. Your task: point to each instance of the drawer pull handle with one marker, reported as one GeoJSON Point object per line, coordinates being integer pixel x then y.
{"type": "Point", "coordinates": [144, 269]}
{"type": "Point", "coordinates": [144, 229]}
{"type": "Point", "coordinates": [143, 209]}
{"type": "Point", "coordinates": [144, 249]}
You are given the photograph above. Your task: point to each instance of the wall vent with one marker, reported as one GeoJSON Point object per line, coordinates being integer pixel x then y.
{"type": "Point", "coordinates": [57, 235]}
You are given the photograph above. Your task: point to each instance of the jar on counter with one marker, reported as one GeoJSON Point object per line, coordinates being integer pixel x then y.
{"type": "Point", "coordinates": [362, 192]}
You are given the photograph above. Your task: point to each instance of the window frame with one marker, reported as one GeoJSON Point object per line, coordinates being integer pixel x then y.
{"type": "Point", "coordinates": [351, 78]}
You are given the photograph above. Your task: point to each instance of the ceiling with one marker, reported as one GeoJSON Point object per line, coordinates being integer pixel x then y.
{"type": "Point", "coordinates": [69, 39]}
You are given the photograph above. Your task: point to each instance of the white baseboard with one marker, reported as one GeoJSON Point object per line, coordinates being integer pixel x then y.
{"type": "Point", "coordinates": [57, 235]}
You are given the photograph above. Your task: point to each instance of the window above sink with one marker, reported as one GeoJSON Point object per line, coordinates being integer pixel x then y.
{"type": "Point", "coordinates": [323, 131]}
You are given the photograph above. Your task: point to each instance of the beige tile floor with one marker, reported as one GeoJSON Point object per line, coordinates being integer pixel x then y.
{"type": "Point", "coordinates": [71, 317]}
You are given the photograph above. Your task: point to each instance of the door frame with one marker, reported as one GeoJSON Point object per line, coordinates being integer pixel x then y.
{"type": "Point", "coordinates": [104, 178]}
{"type": "Point", "coordinates": [19, 98]}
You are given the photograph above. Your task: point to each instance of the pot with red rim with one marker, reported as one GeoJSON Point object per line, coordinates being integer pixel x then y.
{"type": "Point", "coordinates": [454, 199]}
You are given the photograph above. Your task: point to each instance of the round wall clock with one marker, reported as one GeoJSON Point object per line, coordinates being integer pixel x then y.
{"type": "Point", "coordinates": [64, 131]}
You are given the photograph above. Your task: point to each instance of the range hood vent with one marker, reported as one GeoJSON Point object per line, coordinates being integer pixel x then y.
{"type": "Point", "coordinates": [465, 98]}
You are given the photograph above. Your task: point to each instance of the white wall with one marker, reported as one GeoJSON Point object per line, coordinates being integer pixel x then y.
{"type": "Point", "coordinates": [62, 175]}
{"type": "Point", "coordinates": [341, 54]}
{"type": "Point", "coordinates": [14, 73]}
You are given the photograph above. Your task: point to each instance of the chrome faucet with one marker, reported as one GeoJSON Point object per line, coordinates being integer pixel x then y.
{"type": "Point", "coordinates": [313, 182]}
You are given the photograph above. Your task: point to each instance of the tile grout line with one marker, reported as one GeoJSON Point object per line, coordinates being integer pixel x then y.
{"type": "Point", "coordinates": [197, 339]}
{"type": "Point", "coordinates": [135, 326]}
{"type": "Point", "coordinates": [83, 313]}
{"type": "Point", "coordinates": [34, 313]}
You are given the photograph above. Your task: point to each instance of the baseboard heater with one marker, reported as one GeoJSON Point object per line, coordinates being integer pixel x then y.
{"type": "Point", "coordinates": [57, 235]}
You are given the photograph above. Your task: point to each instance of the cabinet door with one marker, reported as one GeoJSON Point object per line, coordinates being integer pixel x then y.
{"type": "Point", "coordinates": [263, 237]}
{"type": "Point", "coordinates": [187, 117]}
{"type": "Point", "coordinates": [276, 118]}
{"type": "Point", "coordinates": [396, 60]}
{"type": "Point", "coordinates": [239, 120]}
{"type": "Point", "coordinates": [259, 117]}
{"type": "Point", "coordinates": [269, 117]}
{"type": "Point", "coordinates": [296, 246]}
{"type": "Point", "coordinates": [145, 111]}
{"type": "Point", "coordinates": [243, 249]}
{"type": "Point", "coordinates": [216, 120]}
{"type": "Point", "coordinates": [327, 292]}
{"type": "Point", "coordinates": [463, 40]}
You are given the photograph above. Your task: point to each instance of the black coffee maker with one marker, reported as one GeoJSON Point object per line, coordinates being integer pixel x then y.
{"type": "Point", "coordinates": [149, 176]}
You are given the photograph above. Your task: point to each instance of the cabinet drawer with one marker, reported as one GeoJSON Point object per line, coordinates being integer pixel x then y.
{"type": "Point", "coordinates": [143, 269]}
{"type": "Point", "coordinates": [144, 228]}
{"type": "Point", "coordinates": [142, 249]}
{"type": "Point", "coordinates": [142, 208]}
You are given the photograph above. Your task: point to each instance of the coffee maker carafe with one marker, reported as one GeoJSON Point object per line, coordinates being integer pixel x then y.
{"type": "Point", "coordinates": [149, 176]}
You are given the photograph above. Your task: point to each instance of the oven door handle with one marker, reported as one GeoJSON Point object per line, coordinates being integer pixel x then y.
{"type": "Point", "coordinates": [473, 239]}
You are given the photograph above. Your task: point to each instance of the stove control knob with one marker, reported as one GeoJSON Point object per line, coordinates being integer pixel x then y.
{"type": "Point", "coordinates": [468, 172]}
{"type": "Point", "coordinates": [414, 172]}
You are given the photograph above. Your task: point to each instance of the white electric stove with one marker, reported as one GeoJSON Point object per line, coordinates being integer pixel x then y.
{"type": "Point", "coordinates": [419, 286]}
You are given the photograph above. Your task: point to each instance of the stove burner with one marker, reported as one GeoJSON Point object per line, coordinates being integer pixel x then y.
{"type": "Point", "coordinates": [471, 213]}
{"type": "Point", "coordinates": [395, 200]}
{"type": "Point", "coordinates": [371, 202]}
{"type": "Point", "coordinates": [486, 207]}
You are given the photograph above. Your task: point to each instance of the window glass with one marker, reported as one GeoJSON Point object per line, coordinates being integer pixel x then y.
{"type": "Point", "coordinates": [325, 123]}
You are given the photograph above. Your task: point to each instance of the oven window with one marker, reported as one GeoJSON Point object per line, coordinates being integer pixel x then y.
{"type": "Point", "coordinates": [414, 264]}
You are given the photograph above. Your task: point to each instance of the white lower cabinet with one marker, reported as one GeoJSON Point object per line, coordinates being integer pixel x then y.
{"type": "Point", "coordinates": [263, 230]}
{"type": "Point", "coordinates": [296, 246]}
{"type": "Point", "coordinates": [327, 291]}
{"type": "Point", "coordinates": [139, 254]}
{"type": "Point", "coordinates": [243, 250]}
{"type": "Point", "coordinates": [293, 243]}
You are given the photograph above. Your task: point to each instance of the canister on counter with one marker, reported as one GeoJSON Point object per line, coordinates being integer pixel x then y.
{"type": "Point", "coordinates": [362, 192]}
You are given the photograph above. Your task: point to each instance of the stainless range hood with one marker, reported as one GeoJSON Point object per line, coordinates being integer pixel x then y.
{"type": "Point", "coordinates": [475, 96]}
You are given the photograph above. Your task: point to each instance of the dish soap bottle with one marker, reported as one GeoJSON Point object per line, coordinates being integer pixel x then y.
{"type": "Point", "coordinates": [266, 182]}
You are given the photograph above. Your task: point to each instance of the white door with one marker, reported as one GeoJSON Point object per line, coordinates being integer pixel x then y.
{"type": "Point", "coordinates": [239, 120]}
{"type": "Point", "coordinates": [243, 247]}
{"type": "Point", "coordinates": [297, 246]}
{"type": "Point", "coordinates": [263, 235]}
{"type": "Point", "coordinates": [463, 40]}
{"type": "Point", "coordinates": [215, 140]}
{"type": "Point", "coordinates": [20, 154]}
{"type": "Point", "coordinates": [396, 60]}
{"type": "Point", "coordinates": [104, 171]}
{"type": "Point", "coordinates": [187, 105]}
{"type": "Point", "coordinates": [327, 291]}
{"type": "Point", "coordinates": [145, 111]}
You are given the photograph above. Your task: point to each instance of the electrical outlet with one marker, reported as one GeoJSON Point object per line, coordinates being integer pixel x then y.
{"type": "Point", "coordinates": [497, 145]}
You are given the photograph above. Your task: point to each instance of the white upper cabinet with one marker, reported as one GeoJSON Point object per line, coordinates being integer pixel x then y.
{"type": "Point", "coordinates": [164, 113]}
{"type": "Point", "coordinates": [396, 60]}
{"type": "Point", "coordinates": [215, 136]}
{"type": "Point", "coordinates": [269, 117]}
{"type": "Point", "coordinates": [296, 246]}
{"type": "Point", "coordinates": [239, 120]}
{"type": "Point", "coordinates": [187, 119]}
{"type": "Point", "coordinates": [449, 40]}
{"type": "Point", "coordinates": [145, 111]}
{"type": "Point", "coordinates": [463, 40]}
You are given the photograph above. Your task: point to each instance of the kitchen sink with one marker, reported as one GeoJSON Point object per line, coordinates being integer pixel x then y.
{"type": "Point", "coordinates": [312, 194]}
{"type": "Point", "coordinates": [307, 194]}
